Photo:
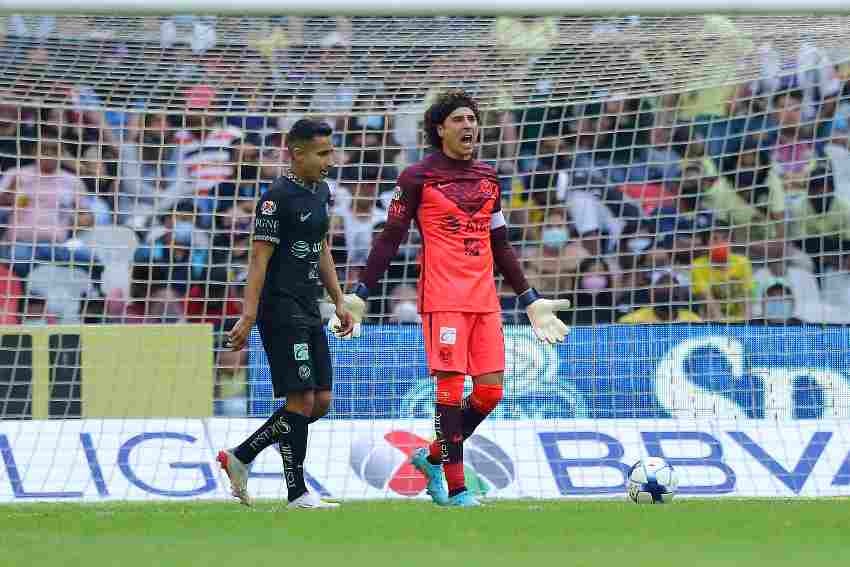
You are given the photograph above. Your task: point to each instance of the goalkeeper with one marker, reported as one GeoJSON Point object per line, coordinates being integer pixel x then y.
{"type": "Point", "coordinates": [456, 203]}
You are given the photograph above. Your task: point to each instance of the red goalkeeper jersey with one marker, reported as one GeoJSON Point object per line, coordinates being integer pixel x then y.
{"type": "Point", "coordinates": [456, 204]}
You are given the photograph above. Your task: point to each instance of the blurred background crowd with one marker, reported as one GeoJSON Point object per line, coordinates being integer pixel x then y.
{"type": "Point", "coordinates": [131, 162]}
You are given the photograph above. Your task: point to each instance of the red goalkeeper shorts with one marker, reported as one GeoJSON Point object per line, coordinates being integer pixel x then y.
{"type": "Point", "coordinates": [467, 343]}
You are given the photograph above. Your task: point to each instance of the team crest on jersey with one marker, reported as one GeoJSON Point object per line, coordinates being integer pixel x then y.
{"type": "Point", "coordinates": [398, 194]}
{"type": "Point", "coordinates": [268, 207]}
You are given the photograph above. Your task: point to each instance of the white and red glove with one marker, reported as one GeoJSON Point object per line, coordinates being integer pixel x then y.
{"type": "Point", "coordinates": [355, 304]}
{"type": "Point", "coordinates": [541, 312]}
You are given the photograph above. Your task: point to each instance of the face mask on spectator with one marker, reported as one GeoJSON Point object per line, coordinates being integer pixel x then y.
{"type": "Point", "coordinates": [405, 312]}
{"type": "Point", "coordinates": [778, 309]}
{"type": "Point", "coordinates": [638, 244]}
{"type": "Point", "coordinates": [374, 122]}
{"type": "Point", "coordinates": [594, 282]}
{"type": "Point", "coordinates": [720, 253]}
{"type": "Point", "coordinates": [554, 237]}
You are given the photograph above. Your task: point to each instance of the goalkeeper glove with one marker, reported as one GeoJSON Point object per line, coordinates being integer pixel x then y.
{"type": "Point", "coordinates": [354, 303]}
{"type": "Point", "coordinates": [541, 312]}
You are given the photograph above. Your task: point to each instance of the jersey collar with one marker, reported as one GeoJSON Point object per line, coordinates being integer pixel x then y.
{"type": "Point", "coordinates": [311, 187]}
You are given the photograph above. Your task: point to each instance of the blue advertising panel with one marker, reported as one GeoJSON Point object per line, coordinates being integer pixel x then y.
{"type": "Point", "coordinates": [614, 371]}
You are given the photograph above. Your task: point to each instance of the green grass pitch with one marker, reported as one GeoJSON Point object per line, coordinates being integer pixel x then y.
{"type": "Point", "coordinates": [686, 533]}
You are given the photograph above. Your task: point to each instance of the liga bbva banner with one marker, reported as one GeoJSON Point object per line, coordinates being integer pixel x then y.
{"type": "Point", "coordinates": [174, 459]}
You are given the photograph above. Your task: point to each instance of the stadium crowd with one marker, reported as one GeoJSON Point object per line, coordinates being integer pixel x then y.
{"type": "Point", "coordinates": [726, 203]}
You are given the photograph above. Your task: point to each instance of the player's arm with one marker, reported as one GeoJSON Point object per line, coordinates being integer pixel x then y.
{"type": "Point", "coordinates": [541, 312]}
{"type": "Point", "coordinates": [402, 209]}
{"type": "Point", "coordinates": [266, 239]}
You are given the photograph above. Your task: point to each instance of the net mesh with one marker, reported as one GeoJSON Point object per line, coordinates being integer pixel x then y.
{"type": "Point", "coordinates": [688, 169]}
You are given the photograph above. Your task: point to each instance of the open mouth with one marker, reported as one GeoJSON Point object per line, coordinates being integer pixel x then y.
{"type": "Point", "coordinates": [466, 139]}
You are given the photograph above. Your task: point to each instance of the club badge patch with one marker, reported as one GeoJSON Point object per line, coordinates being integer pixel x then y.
{"type": "Point", "coordinates": [268, 207]}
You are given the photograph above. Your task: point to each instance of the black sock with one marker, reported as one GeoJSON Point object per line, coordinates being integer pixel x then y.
{"type": "Point", "coordinates": [280, 423]}
{"type": "Point", "coordinates": [471, 417]}
{"type": "Point", "coordinates": [293, 450]}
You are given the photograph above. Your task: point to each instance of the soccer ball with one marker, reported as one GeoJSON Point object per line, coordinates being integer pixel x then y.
{"type": "Point", "coordinates": [652, 481]}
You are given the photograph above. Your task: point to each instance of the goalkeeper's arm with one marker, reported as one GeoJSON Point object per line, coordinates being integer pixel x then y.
{"type": "Point", "coordinates": [541, 312]}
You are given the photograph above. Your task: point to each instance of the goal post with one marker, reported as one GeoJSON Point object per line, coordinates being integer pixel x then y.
{"type": "Point", "coordinates": [683, 178]}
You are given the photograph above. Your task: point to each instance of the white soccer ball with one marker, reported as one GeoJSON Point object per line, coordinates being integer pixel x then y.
{"type": "Point", "coordinates": [652, 481]}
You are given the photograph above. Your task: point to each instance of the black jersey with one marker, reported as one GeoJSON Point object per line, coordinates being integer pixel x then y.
{"type": "Point", "coordinates": [295, 219]}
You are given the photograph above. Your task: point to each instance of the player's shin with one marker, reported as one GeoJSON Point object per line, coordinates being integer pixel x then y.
{"type": "Point", "coordinates": [293, 451]}
{"type": "Point", "coordinates": [448, 423]}
{"type": "Point", "coordinates": [474, 410]}
{"type": "Point", "coordinates": [281, 423]}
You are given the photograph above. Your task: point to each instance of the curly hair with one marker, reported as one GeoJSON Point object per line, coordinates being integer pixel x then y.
{"type": "Point", "coordinates": [446, 103]}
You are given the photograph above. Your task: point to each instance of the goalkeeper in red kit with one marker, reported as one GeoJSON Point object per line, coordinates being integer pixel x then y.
{"type": "Point", "coordinates": [456, 203]}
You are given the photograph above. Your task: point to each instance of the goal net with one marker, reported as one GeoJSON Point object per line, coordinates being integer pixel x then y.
{"type": "Point", "coordinates": [684, 180]}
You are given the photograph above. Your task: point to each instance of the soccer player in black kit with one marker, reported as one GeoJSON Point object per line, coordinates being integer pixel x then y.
{"type": "Point", "coordinates": [290, 260]}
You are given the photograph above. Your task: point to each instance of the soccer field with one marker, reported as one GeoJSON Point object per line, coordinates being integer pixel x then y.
{"type": "Point", "coordinates": [563, 533]}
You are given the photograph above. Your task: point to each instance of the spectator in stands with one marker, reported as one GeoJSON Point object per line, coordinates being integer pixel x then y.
{"type": "Point", "coordinates": [43, 203]}
{"type": "Point", "coordinates": [356, 206]}
{"type": "Point", "coordinates": [722, 278]}
{"type": "Point", "coordinates": [593, 298]}
{"type": "Point", "coordinates": [756, 225]}
{"type": "Point", "coordinates": [678, 228]}
{"type": "Point", "coordinates": [661, 160]}
{"type": "Point", "coordinates": [208, 154]}
{"type": "Point", "coordinates": [777, 303]}
{"type": "Point", "coordinates": [147, 163]}
{"type": "Point", "coordinates": [792, 152]}
{"type": "Point", "coordinates": [670, 304]}
{"type": "Point", "coordinates": [16, 137]}
{"type": "Point", "coordinates": [821, 221]}
{"type": "Point", "coordinates": [499, 145]}
{"type": "Point", "coordinates": [552, 266]}
{"type": "Point", "coordinates": [602, 216]}
{"type": "Point", "coordinates": [231, 235]}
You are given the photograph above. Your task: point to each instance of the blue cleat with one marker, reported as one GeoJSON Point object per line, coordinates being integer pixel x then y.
{"type": "Point", "coordinates": [436, 488]}
{"type": "Point", "coordinates": [464, 500]}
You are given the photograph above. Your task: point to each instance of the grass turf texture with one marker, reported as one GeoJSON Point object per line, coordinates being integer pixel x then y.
{"type": "Point", "coordinates": [688, 533]}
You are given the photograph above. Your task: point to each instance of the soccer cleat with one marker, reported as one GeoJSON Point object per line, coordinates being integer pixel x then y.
{"type": "Point", "coordinates": [464, 500]}
{"type": "Point", "coordinates": [309, 501]}
{"type": "Point", "coordinates": [237, 472]}
{"type": "Point", "coordinates": [436, 488]}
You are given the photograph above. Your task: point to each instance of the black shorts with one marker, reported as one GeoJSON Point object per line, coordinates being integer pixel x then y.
{"type": "Point", "coordinates": [298, 355]}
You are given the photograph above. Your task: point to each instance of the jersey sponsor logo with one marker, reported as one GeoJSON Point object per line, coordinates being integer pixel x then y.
{"type": "Point", "coordinates": [478, 226]}
{"type": "Point", "coordinates": [448, 335]}
{"type": "Point", "coordinates": [301, 249]}
{"type": "Point", "coordinates": [304, 372]}
{"type": "Point", "coordinates": [301, 351]}
{"type": "Point", "coordinates": [267, 226]}
{"type": "Point", "coordinates": [268, 207]}
{"type": "Point", "coordinates": [304, 216]}
{"type": "Point", "coordinates": [450, 224]}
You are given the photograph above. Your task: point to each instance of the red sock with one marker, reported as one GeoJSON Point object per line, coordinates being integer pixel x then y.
{"type": "Point", "coordinates": [454, 477]}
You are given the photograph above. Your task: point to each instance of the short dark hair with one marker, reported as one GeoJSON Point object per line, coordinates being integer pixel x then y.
{"type": "Point", "coordinates": [446, 103]}
{"type": "Point", "coordinates": [305, 130]}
